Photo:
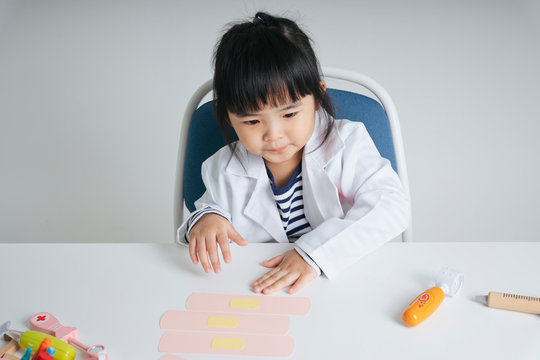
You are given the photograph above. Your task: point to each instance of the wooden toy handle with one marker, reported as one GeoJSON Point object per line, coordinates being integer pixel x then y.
{"type": "Point", "coordinates": [8, 349]}
{"type": "Point", "coordinates": [527, 304]}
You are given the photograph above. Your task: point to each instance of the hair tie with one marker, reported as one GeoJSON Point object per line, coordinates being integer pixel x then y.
{"type": "Point", "coordinates": [257, 19]}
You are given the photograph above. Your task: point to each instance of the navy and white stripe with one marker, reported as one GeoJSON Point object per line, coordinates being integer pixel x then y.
{"type": "Point", "coordinates": [290, 203]}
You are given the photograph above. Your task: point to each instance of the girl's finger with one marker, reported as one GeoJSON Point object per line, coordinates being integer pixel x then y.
{"type": "Point", "coordinates": [266, 276]}
{"type": "Point", "coordinates": [280, 283]}
{"type": "Point", "coordinates": [223, 242]}
{"type": "Point", "coordinates": [211, 249]}
{"type": "Point", "coordinates": [203, 257]}
{"type": "Point", "coordinates": [276, 260]}
{"type": "Point", "coordinates": [302, 281]}
{"type": "Point", "coordinates": [236, 237]}
{"type": "Point", "coordinates": [270, 278]}
{"type": "Point", "coordinates": [193, 251]}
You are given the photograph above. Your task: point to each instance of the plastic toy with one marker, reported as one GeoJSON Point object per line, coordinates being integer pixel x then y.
{"type": "Point", "coordinates": [448, 282]}
{"type": "Point", "coordinates": [47, 323]}
{"type": "Point", "coordinates": [33, 339]}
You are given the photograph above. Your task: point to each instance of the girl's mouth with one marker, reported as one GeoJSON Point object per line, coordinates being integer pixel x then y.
{"type": "Point", "coordinates": [279, 150]}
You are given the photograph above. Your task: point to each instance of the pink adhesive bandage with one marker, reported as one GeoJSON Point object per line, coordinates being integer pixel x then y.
{"type": "Point", "coordinates": [262, 304]}
{"type": "Point", "coordinates": [226, 322]}
{"type": "Point", "coordinates": [171, 357]}
{"type": "Point", "coordinates": [226, 344]}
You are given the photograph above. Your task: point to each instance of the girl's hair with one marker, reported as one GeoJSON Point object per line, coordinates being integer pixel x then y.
{"type": "Point", "coordinates": [267, 61]}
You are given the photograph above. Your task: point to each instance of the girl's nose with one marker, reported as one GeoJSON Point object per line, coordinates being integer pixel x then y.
{"type": "Point", "coordinates": [273, 132]}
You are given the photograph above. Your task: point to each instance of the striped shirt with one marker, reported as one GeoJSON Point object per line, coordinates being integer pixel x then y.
{"type": "Point", "coordinates": [290, 204]}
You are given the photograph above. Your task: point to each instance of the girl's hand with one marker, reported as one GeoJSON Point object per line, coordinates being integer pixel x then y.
{"type": "Point", "coordinates": [288, 268]}
{"type": "Point", "coordinates": [210, 231]}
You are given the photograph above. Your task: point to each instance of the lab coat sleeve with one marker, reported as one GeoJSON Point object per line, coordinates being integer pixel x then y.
{"type": "Point", "coordinates": [207, 203]}
{"type": "Point", "coordinates": [379, 212]}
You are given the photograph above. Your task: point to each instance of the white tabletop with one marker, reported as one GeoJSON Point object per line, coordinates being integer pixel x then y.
{"type": "Point", "coordinates": [116, 294]}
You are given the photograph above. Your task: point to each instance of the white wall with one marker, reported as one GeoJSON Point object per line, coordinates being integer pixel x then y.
{"type": "Point", "coordinates": [92, 93]}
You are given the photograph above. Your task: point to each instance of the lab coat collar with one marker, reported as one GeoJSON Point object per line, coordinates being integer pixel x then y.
{"type": "Point", "coordinates": [261, 206]}
{"type": "Point", "coordinates": [244, 163]}
{"type": "Point", "coordinates": [317, 150]}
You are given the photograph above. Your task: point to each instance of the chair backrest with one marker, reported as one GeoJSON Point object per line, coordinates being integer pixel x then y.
{"type": "Point", "coordinates": [201, 136]}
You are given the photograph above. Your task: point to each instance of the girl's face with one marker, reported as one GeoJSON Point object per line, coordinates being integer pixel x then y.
{"type": "Point", "coordinates": [278, 134]}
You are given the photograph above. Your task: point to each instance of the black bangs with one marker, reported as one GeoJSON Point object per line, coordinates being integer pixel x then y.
{"type": "Point", "coordinates": [270, 72]}
{"type": "Point", "coordinates": [265, 68]}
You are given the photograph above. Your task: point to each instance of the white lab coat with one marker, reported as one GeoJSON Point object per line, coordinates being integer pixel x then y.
{"type": "Point", "coordinates": [353, 199]}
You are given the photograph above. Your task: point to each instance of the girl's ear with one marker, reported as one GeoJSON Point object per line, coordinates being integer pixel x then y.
{"type": "Point", "coordinates": [323, 88]}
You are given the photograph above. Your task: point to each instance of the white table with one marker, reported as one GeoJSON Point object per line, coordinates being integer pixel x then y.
{"type": "Point", "coordinates": [116, 293]}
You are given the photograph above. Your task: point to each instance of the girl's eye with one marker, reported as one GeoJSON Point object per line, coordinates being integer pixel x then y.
{"type": "Point", "coordinates": [290, 115]}
{"type": "Point", "coordinates": [251, 122]}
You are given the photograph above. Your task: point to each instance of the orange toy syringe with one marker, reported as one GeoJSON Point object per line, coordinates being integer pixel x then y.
{"type": "Point", "coordinates": [448, 282]}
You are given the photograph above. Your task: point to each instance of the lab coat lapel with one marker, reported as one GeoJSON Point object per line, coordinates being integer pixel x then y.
{"type": "Point", "coordinates": [321, 198]}
{"type": "Point", "coordinates": [261, 206]}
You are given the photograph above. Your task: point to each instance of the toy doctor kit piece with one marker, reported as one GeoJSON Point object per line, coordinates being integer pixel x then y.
{"type": "Point", "coordinates": [448, 282]}
{"type": "Point", "coordinates": [49, 324]}
{"type": "Point", "coordinates": [33, 339]}
{"type": "Point", "coordinates": [526, 304]}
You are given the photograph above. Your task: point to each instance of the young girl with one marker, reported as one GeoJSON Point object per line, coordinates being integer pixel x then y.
{"type": "Point", "coordinates": [296, 174]}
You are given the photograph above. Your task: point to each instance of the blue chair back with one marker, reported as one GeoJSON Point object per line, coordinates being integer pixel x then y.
{"type": "Point", "coordinates": [356, 107]}
{"type": "Point", "coordinates": [205, 138]}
